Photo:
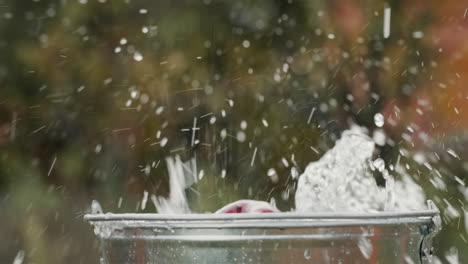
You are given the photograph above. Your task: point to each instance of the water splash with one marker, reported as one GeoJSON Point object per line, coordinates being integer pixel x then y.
{"type": "Point", "coordinates": [103, 230]}
{"type": "Point", "coordinates": [100, 229]}
{"type": "Point", "coordinates": [452, 256]}
{"type": "Point", "coordinates": [19, 257]}
{"type": "Point", "coordinates": [181, 176]}
{"type": "Point", "coordinates": [96, 207]}
{"type": "Point", "coordinates": [341, 181]}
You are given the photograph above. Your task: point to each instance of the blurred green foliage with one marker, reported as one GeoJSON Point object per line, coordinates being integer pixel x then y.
{"type": "Point", "coordinates": [90, 89]}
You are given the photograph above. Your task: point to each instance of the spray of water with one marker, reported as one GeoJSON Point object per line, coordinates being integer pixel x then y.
{"type": "Point", "coordinates": [342, 181]}
{"type": "Point", "coordinates": [181, 176]}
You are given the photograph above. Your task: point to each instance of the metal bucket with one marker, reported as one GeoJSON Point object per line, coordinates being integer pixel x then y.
{"type": "Point", "coordinates": [266, 238]}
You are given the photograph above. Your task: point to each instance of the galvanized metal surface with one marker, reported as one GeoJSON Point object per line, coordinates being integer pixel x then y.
{"type": "Point", "coordinates": [268, 220]}
{"type": "Point", "coordinates": [201, 228]}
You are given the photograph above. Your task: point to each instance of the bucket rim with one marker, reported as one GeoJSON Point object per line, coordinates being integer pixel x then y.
{"type": "Point", "coordinates": [429, 216]}
{"type": "Point", "coordinates": [260, 221]}
{"type": "Point", "coordinates": [151, 217]}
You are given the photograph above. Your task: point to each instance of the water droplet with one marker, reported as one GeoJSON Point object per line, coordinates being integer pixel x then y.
{"type": "Point", "coordinates": [241, 136]}
{"type": "Point", "coordinates": [387, 18]}
{"type": "Point", "coordinates": [119, 203]}
{"type": "Point", "coordinates": [246, 44]}
{"type": "Point", "coordinates": [379, 137]}
{"type": "Point", "coordinates": [243, 124]}
{"type": "Point", "coordinates": [144, 200]}
{"type": "Point", "coordinates": [137, 56]}
{"type": "Point", "coordinates": [294, 173]}
{"type": "Point", "coordinates": [144, 98]}
{"type": "Point", "coordinates": [418, 35]}
{"type": "Point", "coordinates": [271, 172]}
{"type": "Point", "coordinates": [273, 175]}
{"type": "Point", "coordinates": [212, 120]}
{"type": "Point", "coordinates": [19, 257]}
{"type": "Point", "coordinates": [379, 120]}
{"type": "Point", "coordinates": [98, 148]}
{"type": "Point", "coordinates": [453, 153]}
{"type": "Point", "coordinates": [164, 142]}
{"type": "Point", "coordinates": [159, 110]}
{"type": "Point", "coordinates": [379, 164]}
{"type": "Point", "coordinates": [277, 77]}
{"type": "Point", "coordinates": [223, 133]}
{"type": "Point", "coordinates": [134, 94]}
{"type": "Point", "coordinates": [365, 247]}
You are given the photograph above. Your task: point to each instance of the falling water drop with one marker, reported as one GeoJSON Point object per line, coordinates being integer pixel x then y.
{"type": "Point", "coordinates": [271, 172]}
{"type": "Point", "coordinates": [243, 124]}
{"type": "Point", "coordinates": [134, 94]}
{"type": "Point", "coordinates": [307, 254]}
{"type": "Point", "coordinates": [164, 142]}
{"type": "Point", "coordinates": [137, 56]}
{"type": "Point", "coordinates": [379, 120]}
{"type": "Point", "coordinates": [453, 153]}
{"type": "Point", "coordinates": [241, 137]}
{"type": "Point", "coordinates": [379, 164]}
{"type": "Point", "coordinates": [365, 247]}
{"type": "Point", "coordinates": [144, 200]}
{"type": "Point", "coordinates": [387, 17]}
{"type": "Point", "coordinates": [19, 257]}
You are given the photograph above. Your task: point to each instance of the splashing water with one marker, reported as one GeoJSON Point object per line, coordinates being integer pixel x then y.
{"type": "Point", "coordinates": [452, 256]}
{"type": "Point", "coordinates": [341, 181]}
{"type": "Point", "coordinates": [181, 176]}
{"type": "Point", "coordinates": [96, 207]}
{"type": "Point", "coordinates": [19, 257]}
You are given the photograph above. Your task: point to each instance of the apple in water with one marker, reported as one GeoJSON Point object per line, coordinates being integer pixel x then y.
{"type": "Point", "coordinates": [248, 206]}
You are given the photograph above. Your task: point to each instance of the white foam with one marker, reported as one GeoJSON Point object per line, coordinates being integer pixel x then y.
{"type": "Point", "coordinates": [341, 181]}
{"type": "Point", "coordinates": [181, 176]}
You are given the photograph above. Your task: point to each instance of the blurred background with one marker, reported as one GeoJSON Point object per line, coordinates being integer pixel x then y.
{"type": "Point", "coordinates": [96, 94]}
